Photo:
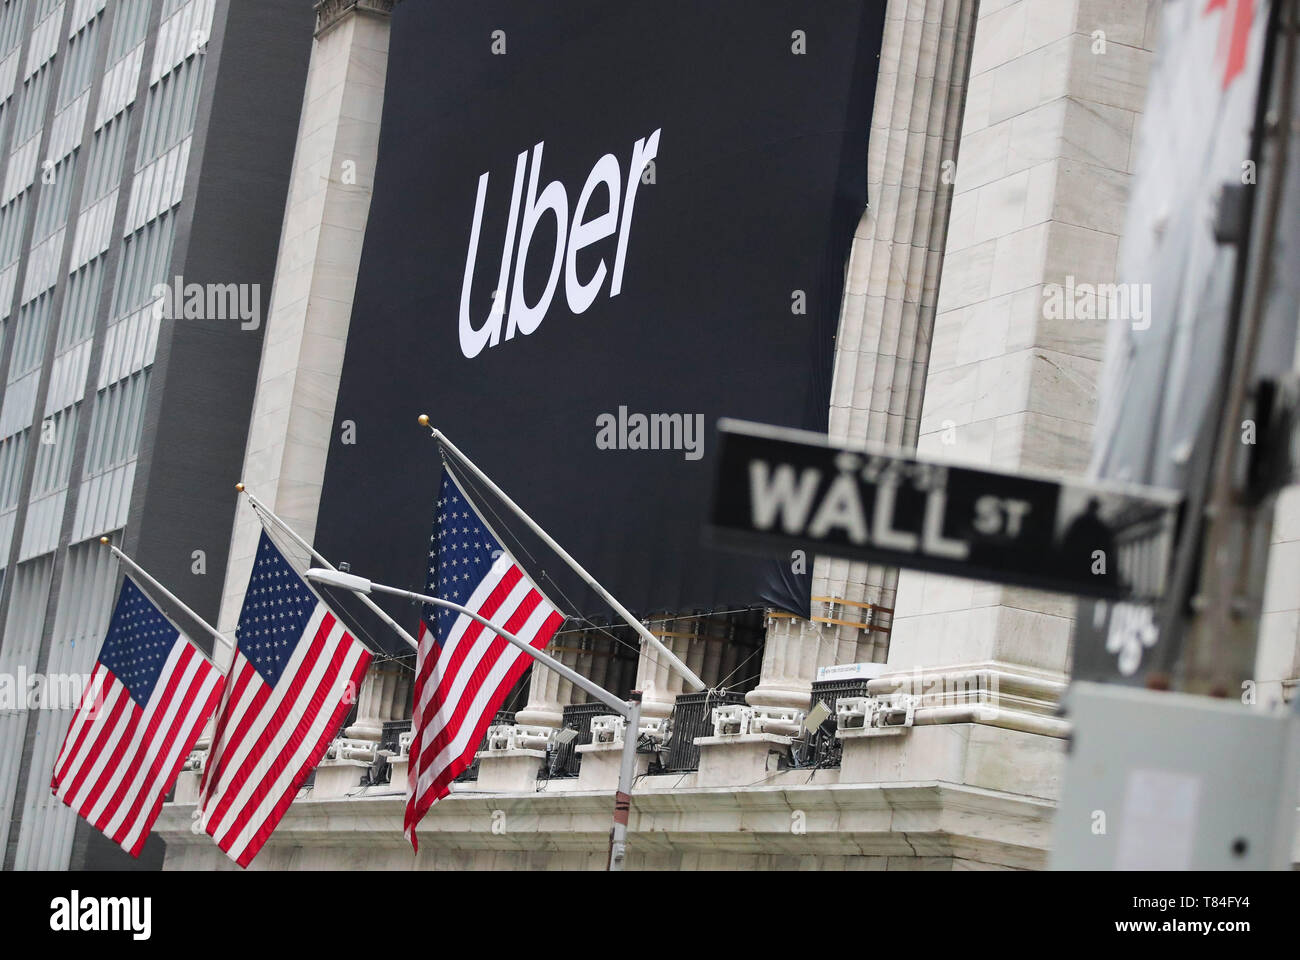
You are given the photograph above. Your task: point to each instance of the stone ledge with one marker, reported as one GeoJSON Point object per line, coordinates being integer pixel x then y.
{"type": "Point", "coordinates": [865, 733]}
{"type": "Point", "coordinates": [852, 825]}
{"type": "Point", "coordinates": [331, 12]}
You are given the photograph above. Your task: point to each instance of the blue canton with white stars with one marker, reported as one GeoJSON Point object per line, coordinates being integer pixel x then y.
{"type": "Point", "coordinates": [461, 552]}
{"type": "Point", "coordinates": [277, 606]}
{"type": "Point", "coordinates": [139, 641]}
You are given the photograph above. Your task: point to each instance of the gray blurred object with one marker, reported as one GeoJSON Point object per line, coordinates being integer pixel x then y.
{"type": "Point", "coordinates": [1155, 395]}
{"type": "Point", "coordinates": [1182, 795]}
{"type": "Point", "coordinates": [1214, 235]}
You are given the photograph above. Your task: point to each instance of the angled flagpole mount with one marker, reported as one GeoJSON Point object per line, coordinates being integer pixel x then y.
{"type": "Point", "coordinates": [263, 511]}
{"type": "Point", "coordinates": [140, 572]}
{"type": "Point", "coordinates": [654, 642]}
{"type": "Point", "coordinates": [362, 586]}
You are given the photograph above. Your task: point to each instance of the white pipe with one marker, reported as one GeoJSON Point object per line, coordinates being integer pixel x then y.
{"type": "Point", "coordinates": [361, 586]}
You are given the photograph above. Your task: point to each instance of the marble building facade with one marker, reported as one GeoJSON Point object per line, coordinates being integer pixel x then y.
{"type": "Point", "coordinates": [1002, 144]}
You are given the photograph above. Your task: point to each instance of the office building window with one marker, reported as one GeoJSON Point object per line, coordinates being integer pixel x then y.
{"type": "Point", "coordinates": [146, 256]}
{"type": "Point", "coordinates": [80, 63]}
{"type": "Point", "coordinates": [80, 302]}
{"type": "Point", "coordinates": [13, 451]}
{"type": "Point", "coordinates": [115, 426]}
{"type": "Point", "coordinates": [169, 110]}
{"type": "Point", "coordinates": [58, 436]}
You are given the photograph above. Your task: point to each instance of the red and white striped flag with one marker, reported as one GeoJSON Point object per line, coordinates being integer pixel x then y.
{"type": "Point", "coordinates": [463, 670]}
{"type": "Point", "coordinates": [149, 696]}
{"type": "Point", "coordinates": [293, 680]}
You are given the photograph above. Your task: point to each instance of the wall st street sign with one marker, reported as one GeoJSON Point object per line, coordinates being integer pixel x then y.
{"type": "Point", "coordinates": [784, 490]}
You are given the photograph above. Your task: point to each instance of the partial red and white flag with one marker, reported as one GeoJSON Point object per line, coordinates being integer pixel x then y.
{"type": "Point", "coordinates": [151, 692]}
{"type": "Point", "coordinates": [463, 670]}
{"type": "Point", "coordinates": [294, 678]}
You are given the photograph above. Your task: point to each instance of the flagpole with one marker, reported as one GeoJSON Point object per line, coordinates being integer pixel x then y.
{"type": "Point", "coordinates": [140, 572]}
{"type": "Point", "coordinates": [673, 660]}
{"type": "Point", "coordinates": [629, 710]}
{"type": "Point", "coordinates": [263, 510]}
{"type": "Point", "coordinates": [361, 587]}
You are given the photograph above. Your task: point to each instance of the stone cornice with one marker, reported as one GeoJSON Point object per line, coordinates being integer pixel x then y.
{"type": "Point", "coordinates": [331, 12]}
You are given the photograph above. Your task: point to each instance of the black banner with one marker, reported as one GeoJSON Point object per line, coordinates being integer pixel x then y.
{"type": "Point", "coordinates": [129, 913]}
{"type": "Point", "coordinates": [596, 228]}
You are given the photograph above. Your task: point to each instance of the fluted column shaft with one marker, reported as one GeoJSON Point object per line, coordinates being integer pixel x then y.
{"type": "Point", "coordinates": [886, 318]}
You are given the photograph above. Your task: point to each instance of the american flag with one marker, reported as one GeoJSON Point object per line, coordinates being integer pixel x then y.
{"type": "Point", "coordinates": [293, 680]}
{"type": "Point", "coordinates": [464, 671]}
{"type": "Point", "coordinates": [149, 696]}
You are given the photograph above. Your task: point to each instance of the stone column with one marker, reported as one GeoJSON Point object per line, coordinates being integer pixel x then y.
{"type": "Point", "coordinates": [714, 635]}
{"type": "Point", "coordinates": [315, 277]}
{"type": "Point", "coordinates": [548, 692]}
{"type": "Point", "coordinates": [381, 699]}
{"type": "Point", "coordinates": [792, 651]}
{"type": "Point", "coordinates": [591, 652]}
{"type": "Point", "coordinates": [1056, 88]}
{"type": "Point", "coordinates": [658, 682]}
{"type": "Point", "coordinates": [886, 317]}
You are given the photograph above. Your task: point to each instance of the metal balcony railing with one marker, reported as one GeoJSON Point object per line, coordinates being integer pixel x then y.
{"type": "Point", "coordinates": [566, 760]}
{"type": "Point", "coordinates": [823, 748]}
{"type": "Point", "coordinates": [693, 717]}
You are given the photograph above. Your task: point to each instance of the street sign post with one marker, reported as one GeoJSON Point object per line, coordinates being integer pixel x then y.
{"type": "Point", "coordinates": [780, 489]}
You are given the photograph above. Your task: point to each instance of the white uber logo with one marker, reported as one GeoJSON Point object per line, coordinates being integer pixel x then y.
{"type": "Point", "coordinates": [509, 303]}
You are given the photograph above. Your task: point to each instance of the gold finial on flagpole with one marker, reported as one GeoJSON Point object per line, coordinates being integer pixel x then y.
{"type": "Point", "coordinates": [239, 487]}
{"type": "Point", "coordinates": [424, 419]}
{"type": "Point", "coordinates": [103, 540]}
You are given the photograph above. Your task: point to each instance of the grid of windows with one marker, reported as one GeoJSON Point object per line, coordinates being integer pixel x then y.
{"type": "Point", "coordinates": [81, 61]}
{"type": "Point", "coordinates": [146, 256]}
{"type": "Point", "coordinates": [29, 336]}
{"type": "Point", "coordinates": [13, 451]}
{"type": "Point", "coordinates": [56, 196]}
{"type": "Point", "coordinates": [11, 228]}
{"type": "Point", "coordinates": [30, 113]}
{"type": "Point", "coordinates": [83, 413]}
{"type": "Point", "coordinates": [104, 169]}
{"type": "Point", "coordinates": [88, 588]}
{"type": "Point", "coordinates": [24, 626]}
{"type": "Point", "coordinates": [11, 25]}
{"type": "Point", "coordinates": [169, 110]}
{"type": "Point", "coordinates": [54, 452]}
{"type": "Point", "coordinates": [80, 301]}
{"type": "Point", "coordinates": [130, 23]}
{"type": "Point", "coordinates": [115, 426]}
